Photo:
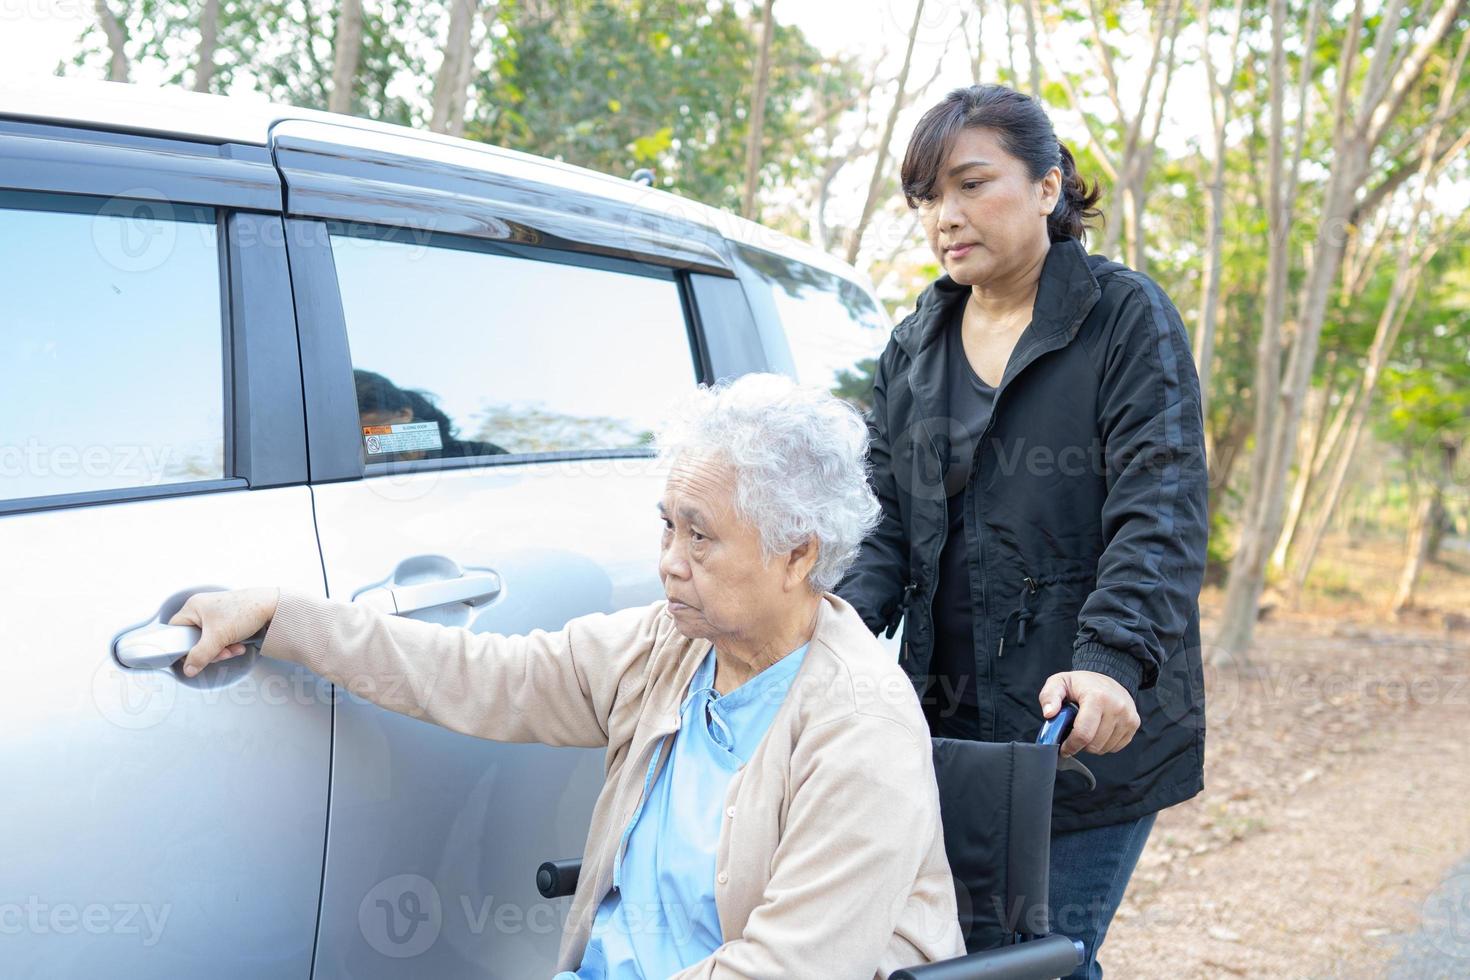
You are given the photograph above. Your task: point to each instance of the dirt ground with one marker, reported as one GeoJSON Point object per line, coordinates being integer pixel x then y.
{"type": "Point", "coordinates": [1336, 808]}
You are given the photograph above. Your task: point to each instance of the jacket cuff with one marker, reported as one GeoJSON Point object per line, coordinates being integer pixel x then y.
{"type": "Point", "coordinates": [1101, 659]}
{"type": "Point", "coordinates": [300, 630]}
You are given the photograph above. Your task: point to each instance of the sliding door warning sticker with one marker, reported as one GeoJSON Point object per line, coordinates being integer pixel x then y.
{"type": "Point", "coordinates": [403, 437]}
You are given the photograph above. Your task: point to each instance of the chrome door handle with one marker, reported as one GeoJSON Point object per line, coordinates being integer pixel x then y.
{"type": "Point", "coordinates": [156, 645]}
{"type": "Point", "coordinates": [473, 589]}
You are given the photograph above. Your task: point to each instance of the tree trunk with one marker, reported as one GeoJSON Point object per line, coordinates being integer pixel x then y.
{"type": "Point", "coordinates": [1222, 457]}
{"type": "Point", "coordinates": [1011, 41]}
{"type": "Point", "coordinates": [208, 42]}
{"type": "Point", "coordinates": [1130, 171]}
{"type": "Point", "coordinates": [875, 186]}
{"type": "Point", "coordinates": [1313, 432]}
{"type": "Point", "coordinates": [1032, 60]}
{"type": "Point", "coordinates": [753, 137]}
{"type": "Point", "coordinates": [1248, 564]}
{"type": "Point", "coordinates": [1209, 303]}
{"type": "Point", "coordinates": [1439, 517]}
{"type": "Point", "coordinates": [346, 52]}
{"type": "Point", "coordinates": [818, 230]}
{"type": "Point", "coordinates": [117, 40]}
{"type": "Point", "coordinates": [976, 58]}
{"type": "Point", "coordinates": [451, 83]}
{"type": "Point", "coordinates": [1403, 599]}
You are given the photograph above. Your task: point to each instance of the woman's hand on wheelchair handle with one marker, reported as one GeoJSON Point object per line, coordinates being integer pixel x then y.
{"type": "Point", "coordinates": [1107, 718]}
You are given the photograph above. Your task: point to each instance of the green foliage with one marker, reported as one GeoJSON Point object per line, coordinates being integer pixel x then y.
{"type": "Point", "coordinates": [608, 84]}
{"type": "Point", "coordinates": [616, 86]}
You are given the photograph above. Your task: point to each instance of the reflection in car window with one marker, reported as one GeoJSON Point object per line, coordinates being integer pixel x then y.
{"type": "Point", "coordinates": [111, 372]}
{"type": "Point", "coordinates": [460, 349]}
{"type": "Point", "coordinates": [833, 328]}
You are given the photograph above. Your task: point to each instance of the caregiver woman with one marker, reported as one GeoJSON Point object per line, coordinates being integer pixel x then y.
{"type": "Point", "coordinates": [1037, 448]}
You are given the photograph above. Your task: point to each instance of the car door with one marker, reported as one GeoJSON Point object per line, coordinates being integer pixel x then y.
{"type": "Point", "coordinates": [151, 446]}
{"type": "Point", "coordinates": [481, 403]}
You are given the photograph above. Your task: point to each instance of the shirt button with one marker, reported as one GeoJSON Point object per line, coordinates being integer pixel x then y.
{"type": "Point", "coordinates": [730, 811]}
{"type": "Point", "coordinates": [722, 877]}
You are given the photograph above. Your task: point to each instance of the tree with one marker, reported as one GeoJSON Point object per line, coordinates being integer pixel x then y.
{"type": "Point", "coordinates": [755, 133]}
{"type": "Point", "coordinates": [117, 40]}
{"type": "Point", "coordinates": [1220, 95]}
{"type": "Point", "coordinates": [208, 41]}
{"type": "Point", "coordinates": [1412, 260]}
{"type": "Point", "coordinates": [1126, 147]}
{"type": "Point", "coordinates": [1362, 118]}
{"type": "Point", "coordinates": [618, 86]}
{"type": "Point", "coordinates": [870, 202]}
{"type": "Point", "coordinates": [346, 52]}
{"type": "Point", "coordinates": [451, 82]}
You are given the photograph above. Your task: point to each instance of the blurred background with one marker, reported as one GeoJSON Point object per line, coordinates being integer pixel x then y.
{"type": "Point", "coordinates": [1294, 174]}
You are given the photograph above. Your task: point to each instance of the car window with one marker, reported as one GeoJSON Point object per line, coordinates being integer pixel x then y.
{"type": "Point", "coordinates": [463, 349]}
{"type": "Point", "coordinates": [833, 330]}
{"type": "Point", "coordinates": [111, 352]}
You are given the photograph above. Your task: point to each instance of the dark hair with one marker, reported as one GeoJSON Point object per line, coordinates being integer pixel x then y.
{"type": "Point", "coordinates": [1026, 133]}
{"type": "Point", "coordinates": [376, 393]}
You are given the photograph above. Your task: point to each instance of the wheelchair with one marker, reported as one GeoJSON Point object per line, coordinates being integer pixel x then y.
{"type": "Point", "coordinates": [999, 848]}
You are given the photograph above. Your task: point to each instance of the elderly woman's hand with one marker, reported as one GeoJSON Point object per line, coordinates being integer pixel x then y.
{"type": "Point", "coordinates": [224, 620]}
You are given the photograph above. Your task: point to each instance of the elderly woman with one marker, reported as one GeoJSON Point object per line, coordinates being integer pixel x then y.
{"type": "Point", "coordinates": [770, 807]}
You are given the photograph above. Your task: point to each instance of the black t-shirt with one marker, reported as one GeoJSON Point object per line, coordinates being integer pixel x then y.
{"type": "Point", "coordinates": [970, 403]}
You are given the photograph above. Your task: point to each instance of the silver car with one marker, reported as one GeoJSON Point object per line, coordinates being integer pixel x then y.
{"type": "Point", "coordinates": [247, 344]}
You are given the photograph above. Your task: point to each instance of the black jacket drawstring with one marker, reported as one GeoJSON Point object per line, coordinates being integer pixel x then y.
{"type": "Point", "coordinates": [1022, 614]}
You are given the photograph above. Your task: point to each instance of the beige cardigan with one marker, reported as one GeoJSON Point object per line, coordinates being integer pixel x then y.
{"type": "Point", "coordinates": [831, 862]}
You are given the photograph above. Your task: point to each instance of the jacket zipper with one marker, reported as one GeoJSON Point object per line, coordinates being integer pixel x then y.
{"type": "Point", "coordinates": [654, 766]}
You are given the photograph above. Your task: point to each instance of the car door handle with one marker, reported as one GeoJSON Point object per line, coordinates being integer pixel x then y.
{"type": "Point", "coordinates": [157, 645]}
{"type": "Point", "coordinates": [473, 589]}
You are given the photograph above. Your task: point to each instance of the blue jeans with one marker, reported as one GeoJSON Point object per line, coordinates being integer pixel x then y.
{"type": "Point", "coordinates": [1089, 873]}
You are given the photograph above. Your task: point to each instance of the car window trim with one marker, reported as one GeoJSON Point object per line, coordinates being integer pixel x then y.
{"type": "Point", "coordinates": [89, 498]}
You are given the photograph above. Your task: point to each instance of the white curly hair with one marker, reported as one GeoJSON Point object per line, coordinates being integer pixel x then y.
{"type": "Point", "coordinates": [800, 460]}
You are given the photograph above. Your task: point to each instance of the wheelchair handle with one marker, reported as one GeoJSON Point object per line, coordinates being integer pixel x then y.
{"type": "Point", "coordinates": [1054, 731]}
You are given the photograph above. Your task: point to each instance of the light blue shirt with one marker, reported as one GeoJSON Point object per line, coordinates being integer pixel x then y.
{"type": "Point", "coordinates": [660, 915]}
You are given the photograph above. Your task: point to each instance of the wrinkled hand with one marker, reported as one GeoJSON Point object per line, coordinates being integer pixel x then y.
{"type": "Point", "coordinates": [224, 620]}
{"type": "Point", "coordinates": [1107, 718]}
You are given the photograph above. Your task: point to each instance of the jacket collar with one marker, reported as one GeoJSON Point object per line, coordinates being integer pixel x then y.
{"type": "Point", "coordinates": [1067, 291]}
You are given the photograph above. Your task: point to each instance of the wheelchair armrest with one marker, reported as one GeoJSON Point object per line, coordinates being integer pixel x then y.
{"type": "Point", "coordinates": [1039, 959]}
{"type": "Point", "coordinates": [556, 879]}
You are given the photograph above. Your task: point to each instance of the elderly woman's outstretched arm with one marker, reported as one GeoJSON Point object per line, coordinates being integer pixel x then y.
{"type": "Point", "coordinates": [557, 688]}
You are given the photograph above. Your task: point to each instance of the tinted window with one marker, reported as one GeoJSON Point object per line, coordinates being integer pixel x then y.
{"type": "Point", "coordinates": [470, 351]}
{"type": "Point", "coordinates": [111, 346]}
{"type": "Point", "coordinates": [833, 330]}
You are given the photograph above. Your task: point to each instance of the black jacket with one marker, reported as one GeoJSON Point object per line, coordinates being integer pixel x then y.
{"type": "Point", "coordinates": [1089, 485]}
